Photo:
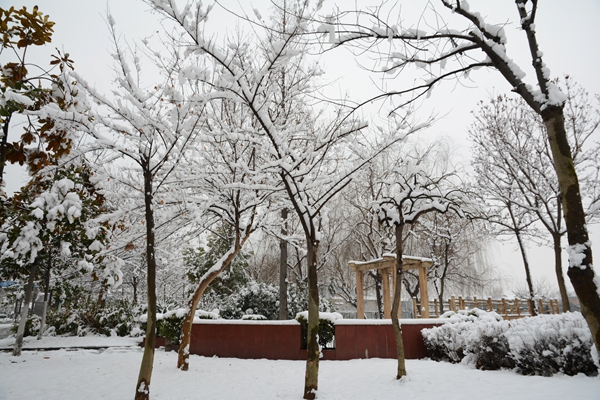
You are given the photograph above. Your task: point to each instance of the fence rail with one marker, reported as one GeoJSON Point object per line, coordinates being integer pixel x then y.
{"type": "Point", "coordinates": [508, 308]}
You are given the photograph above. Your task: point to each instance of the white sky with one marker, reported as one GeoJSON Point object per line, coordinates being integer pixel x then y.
{"type": "Point", "coordinates": [567, 32]}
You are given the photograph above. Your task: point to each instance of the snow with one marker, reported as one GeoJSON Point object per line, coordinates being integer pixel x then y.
{"type": "Point", "coordinates": [577, 255]}
{"type": "Point", "coordinates": [112, 374]}
{"type": "Point", "coordinates": [414, 321]}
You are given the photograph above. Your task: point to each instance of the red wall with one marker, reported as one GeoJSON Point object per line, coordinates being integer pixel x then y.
{"type": "Point", "coordinates": [245, 340]}
{"type": "Point", "coordinates": [369, 341]}
{"type": "Point", "coordinates": [282, 341]}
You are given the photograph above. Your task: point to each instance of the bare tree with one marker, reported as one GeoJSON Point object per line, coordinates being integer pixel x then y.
{"type": "Point", "coordinates": [147, 128]}
{"type": "Point", "coordinates": [444, 52]}
{"type": "Point", "coordinates": [411, 193]}
{"type": "Point", "coordinates": [513, 136]}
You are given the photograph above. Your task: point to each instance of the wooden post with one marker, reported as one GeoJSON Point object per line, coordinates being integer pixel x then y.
{"type": "Point", "coordinates": [461, 303]}
{"type": "Point", "coordinates": [475, 303]}
{"type": "Point", "coordinates": [453, 303]}
{"type": "Point", "coordinates": [415, 308]}
{"type": "Point", "coordinates": [530, 306]}
{"type": "Point", "coordinates": [424, 292]}
{"type": "Point", "coordinates": [360, 296]}
{"type": "Point", "coordinates": [517, 307]}
{"type": "Point", "coordinates": [512, 307]}
{"type": "Point", "coordinates": [504, 307]}
{"type": "Point", "coordinates": [393, 272]}
{"type": "Point", "coordinates": [436, 307]}
{"type": "Point", "coordinates": [385, 282]}
{"type": "Point", "coordinates": [555, 309]}
{"type": "Point", "coordinates": [541, 305]}
{"type": "Point", "coordinates": [490, 306]}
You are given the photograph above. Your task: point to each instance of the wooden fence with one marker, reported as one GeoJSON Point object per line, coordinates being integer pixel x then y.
{"type": "Point", "coordinates": [508, 308]}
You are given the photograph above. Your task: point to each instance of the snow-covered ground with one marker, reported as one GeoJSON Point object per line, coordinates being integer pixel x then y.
{"type": "Point", "coordinates": [111, 374]}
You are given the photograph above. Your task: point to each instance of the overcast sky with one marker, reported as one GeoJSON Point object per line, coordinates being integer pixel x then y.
{"type": "Point", "coordinates": [568, 34]}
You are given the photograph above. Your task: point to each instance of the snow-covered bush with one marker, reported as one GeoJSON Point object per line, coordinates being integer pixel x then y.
{"type": "Point", "coordinates": [326, 327]}
{"type": "Point", "coordinates": [168, 325]}
{"type": "Point", "coordinates": [32, 325]}
{"type": "Point", "coordinates": [263, 299]}
{"type": "Point", "coordinates": [553, 343]}
{"type": "Point", "coordinates": [448, 342]}
{"type": "Point", "coordinates": [541, 345]}
{"type": "Point", "coordinates": [113, 318]}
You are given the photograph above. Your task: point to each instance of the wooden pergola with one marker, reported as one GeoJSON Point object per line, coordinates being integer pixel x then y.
{"type": "Point", "coordinates": [385, 266]}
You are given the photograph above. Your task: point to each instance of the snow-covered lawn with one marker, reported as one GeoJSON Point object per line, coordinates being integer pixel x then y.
{"type": "Point", "coordinates": [111, 374]}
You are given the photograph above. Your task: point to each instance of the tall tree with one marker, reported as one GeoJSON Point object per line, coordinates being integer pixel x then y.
{"type": "Point", "coordinates": [148, 128]}
{"type": "Point", "coordinates": [411, 193]}
{"type": "Point", "coordinates": [54, 219]}
{"type": "Point", "coordinates": [520, 151]}
{"type": "Point", "coordinates": [453, 51]}
{"type": "Point", "coordinates": [309, 156]}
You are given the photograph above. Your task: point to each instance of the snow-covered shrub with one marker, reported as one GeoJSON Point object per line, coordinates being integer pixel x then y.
{"type": "Point", "coordinates": [551, 343]}
{"type": "Point", "coordinates": [263, 299]}
{"type": "Point", "coordinates": [326, 327]}
{"type": "Point", "coordinates": [32, 325]}
{"type": "Point", "coordinates": [113, 318]}
{"type": "Point", "coordinates": [449, 342]}
{"type": "Point", "coordinates": [169, 325]}
{"type": "Point", "coordinates": [473, 314]}
{"type": "Point", "coordinates": [487, 347]}
{"type": "Point", "coordinates": [541, 345]}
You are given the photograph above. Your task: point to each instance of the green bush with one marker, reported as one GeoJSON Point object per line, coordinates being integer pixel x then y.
{"type": "Point", "coordinates": [169, 327]}
{"type": "Point", "coordinates": [32, 326]}
{"type": "Point", "coordinates": [116, 317]}
{"type": "Point", "coordinates": [326, 331]}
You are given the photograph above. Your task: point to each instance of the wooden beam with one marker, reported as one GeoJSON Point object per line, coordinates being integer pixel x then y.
{"type": "Point", "coordinates": [385, 282]}
{"type": "Point", "coordinates": [424, 292]}
{"type": "Point", "coordinates": [360, 296]}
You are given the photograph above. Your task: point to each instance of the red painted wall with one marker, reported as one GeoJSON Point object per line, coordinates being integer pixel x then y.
{"type": "Point", "coordinates": [370, 341]}
{"type": "Point", "coordinates": [244, 340]}
{"type": "Point", "coordinates": [282, 342]}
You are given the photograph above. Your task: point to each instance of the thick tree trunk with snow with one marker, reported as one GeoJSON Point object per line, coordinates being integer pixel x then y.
{"type": "Point", "coordinates": [25, 311]}
{"type": "Point", "coordinates": [566, 306]}
{"type": "Point", "coordinates": [188, 320]}
{"type": "Point", "coordinates": [311, 381]}
{"type": "Point", "coordinates": [396, 305]}
{"type": "Point", "coordinates": [580, 269]}
{"type": "Point", "coordinates": [142, 389]}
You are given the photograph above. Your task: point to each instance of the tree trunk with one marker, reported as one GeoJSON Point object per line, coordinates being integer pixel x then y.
{"type": "Point", "coordinates": [142, 390]}
{"type": "Point", "coordinates": [396, 305]}
{"type": "Point", "coordinates": [283, 309]}
{"type": "Point", "coordinates": [566, 306]}
{"type": "Point", "coordinates": [188, 320]}
{"type": "Point", "coordinates": [527, 272]}
{"type": "Point", "coordinates": [311, 381]}
{"type": "Point", "coordinates": [134, 283]}
{"type": "Point", "coordinates": [25, 310]}
{"type": "Point", "coordinates": [44, 310]}
{"type": "Point", "coordinates": [443, 277]}
{"type": "Point", "coordinates": [580, 272]}
{"type": "Point", "coordinates": [517, 232]}
{"type": "Point", "coordinates": [3, 143]}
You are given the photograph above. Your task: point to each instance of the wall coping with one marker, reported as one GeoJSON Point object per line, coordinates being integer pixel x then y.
{"type": "Point", "coordinates": [244, 322]}
{"type": "Point", "coordinates": [417, 321]}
